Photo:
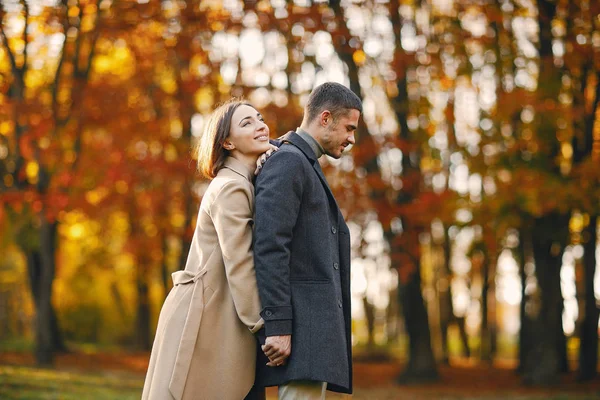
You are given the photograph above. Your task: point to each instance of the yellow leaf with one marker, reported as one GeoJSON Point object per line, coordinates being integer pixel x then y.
{"type": "Point", "coordinates": [73, 12]}
{"type": "Point", "coordinates": [170, 153]}
{"type": "Point", "coordinates": [178, 220]}
{"type": "Point", "coordinates": [6, 127]}
{"type": "Point", "coordinates": [95, 196]}
{"type": "Point", "coordinates": [359, 57]}
{"type": "Point", "coordinates": [76, 231]}
{"type": "Point", "coordinates": [567, 150]}
{"type": "Point", "coordinates": [32, 170]}
{"type": "Point", "coordinates": [8, 180]}
{"type": "Point", "coordinates": [151, 230]}
{"type": "Point", "coordinates": [204, 99]}
{"type": "Point", "coordinates": [121, 187]}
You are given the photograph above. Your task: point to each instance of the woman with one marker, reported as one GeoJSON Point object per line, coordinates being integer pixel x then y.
{"type": "Point", "coordinates": [204, 346]}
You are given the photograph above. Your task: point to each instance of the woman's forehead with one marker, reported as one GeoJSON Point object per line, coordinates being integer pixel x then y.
{"type": "Point", "coordinates": [242, 112]}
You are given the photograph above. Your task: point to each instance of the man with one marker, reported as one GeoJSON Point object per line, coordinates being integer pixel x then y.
{"type": "Point", "coordinates": [302, 254]}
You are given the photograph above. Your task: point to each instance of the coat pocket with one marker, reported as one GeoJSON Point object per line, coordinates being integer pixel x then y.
{"type": "Point", "coordinates": [301, 281]}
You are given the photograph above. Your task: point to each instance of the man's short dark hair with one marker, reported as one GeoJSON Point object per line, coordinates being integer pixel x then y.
{"type": "Point", "coordinates": [334, 97]}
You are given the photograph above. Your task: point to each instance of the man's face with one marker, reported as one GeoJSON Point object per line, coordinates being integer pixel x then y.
{"type": "Point", "coordinates": [340, 134]}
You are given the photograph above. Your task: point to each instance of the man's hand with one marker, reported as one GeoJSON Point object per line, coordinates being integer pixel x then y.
{"type": "Point", "coordinates": [263, 158]}
{"type": "Point", "coordinates": [278, 349]}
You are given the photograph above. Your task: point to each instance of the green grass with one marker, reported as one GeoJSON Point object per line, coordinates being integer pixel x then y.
{"type": "Point", "coordinates": [18, 344]}
{"type": "Point", "coordinates": [25, 383]}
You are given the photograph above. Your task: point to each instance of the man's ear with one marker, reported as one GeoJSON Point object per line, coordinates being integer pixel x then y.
{"type": "Point", "coordinates": [227, 145]}
{"type": "Point", "coordinates": [326, 118]}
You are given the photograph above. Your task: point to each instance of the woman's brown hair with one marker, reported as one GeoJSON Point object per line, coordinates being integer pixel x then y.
{"type": "Point", "coordinates": [210, 151]}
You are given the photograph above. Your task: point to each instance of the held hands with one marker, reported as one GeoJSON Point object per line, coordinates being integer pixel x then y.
{"type": "Point", "coordinates": [278, 349]}
{"type": "Point", "coordinates": [263, 158]}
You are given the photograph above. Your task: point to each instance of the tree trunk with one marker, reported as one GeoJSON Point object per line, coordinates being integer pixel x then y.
{"type": "Point", "coordinates": [492, 320]}
{"type": "Point", "coordinates": [421, 362]}
{"type": "Point", "coordinates": [444, 324]}
{"type": "Point", "coordinates": [57, 339]}
{"type": "Point", "coordinates": [35, 268]}
{"type": "Point", "coordinates": [186, 235]}
{"type": "Point", "coordinates": [142, 338]}
{"type": "Point", "coordinates": [164, 267]}
{"type": "Point", "coordinates": [143, 315]}
{"type": "Point", "coordinates": [545, 360]}
{"type": "Point", "coordinates": [392, 316]}
{"type": "Point", "coordinates": [550, 232]}
{"type": "Point", "coordinates": [421, 365]}
{"type": "Point", "coordinates": [447, 315]}
{"type": "Point", "coordinates": [445, 298]}
{"type": "Point", "coordinates": [370, 317]}
{"type": "Point", "coordinates": [189, 209]}
{"type": "Point", "coordinates": [41, 266]}
{"type": "Point", "coordinates": [588, 349]}
{"type": "Point", "coordinates": [488, 306]}
{"type": "Point", "coordinates": [563, 358]}
{"type": "Point", "coordinates": [144, 263]}
{"type": "Point", "coordinates": [460, 322]}
{"type": "Point", "coordinates": [524, 331]}
{"type": "Point", "coordinates": [5, 315]}
{"type": "Point", "coordinates": [119, 302]}
{"type": "Point", "coordinates": [485, 346]}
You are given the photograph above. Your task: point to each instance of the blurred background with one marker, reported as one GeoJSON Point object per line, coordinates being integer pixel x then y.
{"type": "Point", "coordinates": [472, 193]}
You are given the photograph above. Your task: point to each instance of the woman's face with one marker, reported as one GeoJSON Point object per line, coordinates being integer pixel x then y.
{"type": "Point", "coordinates": [248, 135]}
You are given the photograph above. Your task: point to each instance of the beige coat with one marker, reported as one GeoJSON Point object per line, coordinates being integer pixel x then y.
{"type": "Point", "coordinates": [204, 347]}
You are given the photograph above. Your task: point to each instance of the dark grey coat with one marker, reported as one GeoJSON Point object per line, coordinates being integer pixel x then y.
{"type": "Point", "coordinates": [302, 261]}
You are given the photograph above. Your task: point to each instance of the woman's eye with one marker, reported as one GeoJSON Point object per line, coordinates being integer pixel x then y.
{"type": "Point", "coordinates": [245, 124]}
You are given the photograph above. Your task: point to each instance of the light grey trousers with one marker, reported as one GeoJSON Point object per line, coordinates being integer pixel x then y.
{"type": "Point", "coordinates": [303, 390]}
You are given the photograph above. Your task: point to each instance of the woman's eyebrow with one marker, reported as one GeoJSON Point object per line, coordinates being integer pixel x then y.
{"type": "Point", "coordinates": [258, 115]}
{"type": "Point", "coordinates": [243, 119]}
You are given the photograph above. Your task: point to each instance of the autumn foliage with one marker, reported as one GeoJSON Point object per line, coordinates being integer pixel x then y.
{"type": "Point", "coordinates": [480, 121]}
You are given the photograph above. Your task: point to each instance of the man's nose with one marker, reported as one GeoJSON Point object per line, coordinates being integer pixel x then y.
{"type": "Point", "coordinates": [351, 139]}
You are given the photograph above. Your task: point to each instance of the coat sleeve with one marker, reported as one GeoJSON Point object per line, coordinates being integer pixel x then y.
{"type": "Point", "coordinates": [231, 213]}
{"type": "Point", "coordinates": [279, 189]}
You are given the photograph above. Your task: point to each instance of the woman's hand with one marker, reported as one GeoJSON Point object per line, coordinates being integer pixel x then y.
{"type": "Point", "coordinates": [263, 158]}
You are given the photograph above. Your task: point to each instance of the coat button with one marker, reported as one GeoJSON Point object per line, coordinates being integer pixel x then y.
{"type": "Point", "coordinates": [268, 313]}
{"type": "Point", "coordinates": [336, 266]}
{"type": "Point", "coordinates": [333, 230]}
{"type": "Point", "coordinates": [340, 304]}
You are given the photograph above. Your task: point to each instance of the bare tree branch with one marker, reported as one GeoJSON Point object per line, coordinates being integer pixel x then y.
{"type": "Point", "coordinates": [76, 71]}
{"type": "Point", "coordinates": [85, 74]}
{"type": "Point", "coordinates": [61, 61]}
{"type": "Point", "coordinates": [13, 62]}
{"type": "Point", "coordinates": [25, 41]}
{"type": "Point", "coordinates": [95, 37]}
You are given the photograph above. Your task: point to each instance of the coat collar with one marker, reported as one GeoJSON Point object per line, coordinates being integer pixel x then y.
{"type": "Point", "coordinates": [295, 139]}
{"type": "Point", "coordinates": [312, 142]}
{"type": "Point", "coordinates": [239, 168]}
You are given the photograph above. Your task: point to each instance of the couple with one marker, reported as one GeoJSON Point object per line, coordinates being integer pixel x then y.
{"type": "Point", "coordinates": [269, 264]}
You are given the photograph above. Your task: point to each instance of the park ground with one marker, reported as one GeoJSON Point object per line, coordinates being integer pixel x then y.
{"type": "Point", "coordinates": [120, 376]}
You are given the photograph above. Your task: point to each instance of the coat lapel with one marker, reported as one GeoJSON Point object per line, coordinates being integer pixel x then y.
{"type": "Point", "coordinates": [294, 139]}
